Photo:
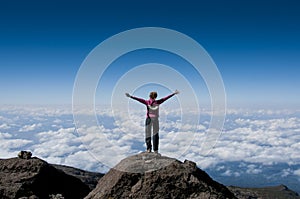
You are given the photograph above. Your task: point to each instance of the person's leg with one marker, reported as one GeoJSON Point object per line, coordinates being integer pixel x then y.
{"type": "Point", "coordinates": [155, 134]}
{"type": "Point", "coordinates": [148, 134]}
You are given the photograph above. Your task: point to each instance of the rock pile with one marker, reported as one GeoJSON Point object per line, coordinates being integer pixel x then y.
{"type": "Point", "coordinates": [24, 155]}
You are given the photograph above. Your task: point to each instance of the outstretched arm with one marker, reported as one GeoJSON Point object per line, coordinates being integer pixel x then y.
{"type": "Point", "coordinates": [160, 101]}
{"type": "Point", "coordinates": [136, 98]}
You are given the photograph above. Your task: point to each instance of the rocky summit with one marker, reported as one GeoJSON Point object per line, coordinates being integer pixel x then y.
{"type": "Point", "coordinates": [34, 178]}
{"type": "Point", "coordinates": [149, 175]}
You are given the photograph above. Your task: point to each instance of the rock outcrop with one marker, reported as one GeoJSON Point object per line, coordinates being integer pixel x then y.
{"type": "Point", "coordinates": [148, 175]}
{"type": "Point", "coordinates": [24, 155]}
{"type": "Point", "coordinates": [35, 178]}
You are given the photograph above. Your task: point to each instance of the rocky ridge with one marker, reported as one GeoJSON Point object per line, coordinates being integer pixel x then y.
{"type": "Point", "coordinates": [145, 175]}
{"type": "Point", "coordinates": [278, 192]}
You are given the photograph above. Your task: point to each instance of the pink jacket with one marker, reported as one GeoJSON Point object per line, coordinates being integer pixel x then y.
{"type": "Point", "coordinates": [152, 105]}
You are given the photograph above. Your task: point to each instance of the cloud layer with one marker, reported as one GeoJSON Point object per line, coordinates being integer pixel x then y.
{"type": "Point", "coordinates": [252, 139]}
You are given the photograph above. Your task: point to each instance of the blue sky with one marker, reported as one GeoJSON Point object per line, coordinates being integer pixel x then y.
{"type": "Point", "coordinates": [255, 44]}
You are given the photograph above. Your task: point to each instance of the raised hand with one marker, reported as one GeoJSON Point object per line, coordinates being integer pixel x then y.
{"type": "Point", "coordinates": [176, 92]}
{"type": "Point", "coordinates": [127, 95]}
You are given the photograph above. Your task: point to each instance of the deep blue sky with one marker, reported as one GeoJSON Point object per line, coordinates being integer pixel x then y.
{"type": "Point", "coordinates": [255, 44]}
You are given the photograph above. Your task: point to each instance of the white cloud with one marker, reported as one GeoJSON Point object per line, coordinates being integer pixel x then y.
{"type": "Point", "coordinates": [30, 127]}
{"type": "Point", "coordinates": [286, 172]}
{"type": "Point", "coordinates": [4, 126]}
{"type": "Point", "coordinates": [254, 137]}
{"type": "Point", "coordinates": [85, 160]}
{"type": "Point", "coordinates": [59, 143]}
{"type": "Point", "coordinates": [5, 135]}
{"type": "Point", "coordinates": [297, 172]}
{"type": "Point", "coordinates": [229, 173]}
{"type": "Point", "coordinates": [252, 169]}
{"type": "Point", "coordinates": [14, 143]}
{"type": "Point", "coordinates": [5, 153]}
{"type": "Point", "coordinates": [265, 141]}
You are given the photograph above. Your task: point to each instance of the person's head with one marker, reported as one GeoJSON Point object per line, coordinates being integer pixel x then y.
{"type": "Point", "coordinates": [153, 95]}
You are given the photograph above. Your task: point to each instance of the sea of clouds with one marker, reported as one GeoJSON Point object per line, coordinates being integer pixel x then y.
{"type": "Point", "coordinates": [260, 145]}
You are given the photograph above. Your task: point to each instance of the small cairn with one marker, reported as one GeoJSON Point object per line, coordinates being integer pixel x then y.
{"type": "Point", "coordinates": [25, 155]}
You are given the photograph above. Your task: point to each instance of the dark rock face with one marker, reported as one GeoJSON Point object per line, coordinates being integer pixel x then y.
{"type": "Point", "coordinates": [148, 175]}
{"type": "Point", "coordinates": [36, 178]}
{"type": "Point", "coordinates": [89, 178]}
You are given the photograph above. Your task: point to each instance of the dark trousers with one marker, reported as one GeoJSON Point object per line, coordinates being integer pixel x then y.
{"type": "Point", "coordinates": [152, 123]}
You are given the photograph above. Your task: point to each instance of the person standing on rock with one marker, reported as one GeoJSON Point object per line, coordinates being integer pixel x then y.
{"type": "Point", "coordinates": [152, 117]}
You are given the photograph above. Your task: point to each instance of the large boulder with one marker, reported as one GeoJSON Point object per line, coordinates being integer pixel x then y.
{"type": "Point", "coordinates": [148, 175]}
